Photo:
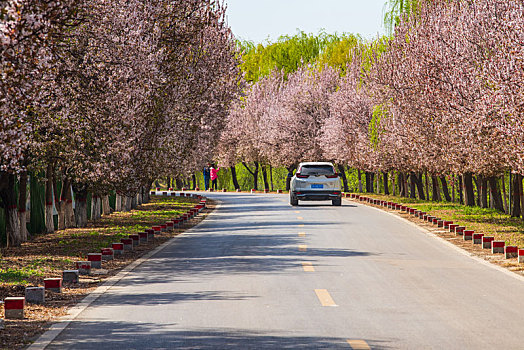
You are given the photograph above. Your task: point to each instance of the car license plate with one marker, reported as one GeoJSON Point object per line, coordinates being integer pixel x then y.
{"type": "Point", "coordinates": [317, 186]}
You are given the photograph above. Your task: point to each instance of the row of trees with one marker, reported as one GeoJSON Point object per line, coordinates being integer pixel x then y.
{"type": "Point", "coordinates": [107, 95]}
{"type": "Point", "coordinates": [441, 96]}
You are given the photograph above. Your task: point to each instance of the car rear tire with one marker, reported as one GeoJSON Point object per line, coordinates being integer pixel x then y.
{"type": "Point", "coordinates": [293, 200]}
{"type": "Point", "coordinates": [337, 202]}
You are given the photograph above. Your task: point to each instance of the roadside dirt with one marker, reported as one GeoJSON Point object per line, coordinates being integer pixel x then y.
{"type": "Point", "coordinates": [48, 255]}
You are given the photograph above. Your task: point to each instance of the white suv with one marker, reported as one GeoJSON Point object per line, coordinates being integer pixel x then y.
{"type": "Point", "coordinates": [315, 181]}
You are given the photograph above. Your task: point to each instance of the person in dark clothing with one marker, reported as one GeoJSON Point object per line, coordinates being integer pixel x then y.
{"type": "Point", "coordinates": [207, 176]}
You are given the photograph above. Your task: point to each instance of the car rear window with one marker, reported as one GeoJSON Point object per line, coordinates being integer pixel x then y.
{"type": "Point", "coordinates": [317, 170]}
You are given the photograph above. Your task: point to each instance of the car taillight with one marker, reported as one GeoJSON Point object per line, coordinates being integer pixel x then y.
{"type": "Point", "coordinates": [300, 176]}
{"type": "Point", "coordinates": [332, 176]}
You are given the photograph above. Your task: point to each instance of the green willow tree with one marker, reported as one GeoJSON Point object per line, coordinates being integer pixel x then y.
{"type": "Point", "coordinates": [393, 11]}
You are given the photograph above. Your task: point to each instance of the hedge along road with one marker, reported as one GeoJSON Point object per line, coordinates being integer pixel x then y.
{"type": "Point", "coordinates": [259, 273]}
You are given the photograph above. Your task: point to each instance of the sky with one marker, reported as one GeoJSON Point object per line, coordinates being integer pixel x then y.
{"type": "Point", "coordinates": [258, 20]}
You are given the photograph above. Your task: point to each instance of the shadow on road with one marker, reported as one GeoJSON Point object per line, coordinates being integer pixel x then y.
{"type": "Point", "coordinates": [125, 335]}
{"type": "Point", "coordinates": [213, 254]}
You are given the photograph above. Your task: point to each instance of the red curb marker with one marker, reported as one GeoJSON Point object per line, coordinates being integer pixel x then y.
{"type": "Point", "coordinates": [83, 267]}
{"type": "Point", "coordinates": [486, 242]}
{"type": "Point", "coordinates": [142, 236]}
{"type": "Point", "coordinates": [452, 227]}
{"type": "Point", "coordinates": [96, 260]}
{"type": "Point", "coordinates": [53, 284]}
{"type": "Point", "coordinates": [14, 307]}
{"type": "Point", "coordinates": [70, 276]}
{"type": "Point", "coordinates": [521, 256]}
{"type": "Point", "coordinates": [163, 228]}
{"type": "Point", "coordinates": [477, 238]}
{"type": "Point", "coordinates": [468, 235]}
{"type": "Point", "coordinates": [128, 243]}
{"type": "Point", "coordinates": [435, 220]}
{"type": "Point", "coordinates": [440, 223]}
{"type": "Point", "coordinates": [136, 239]}
{"type": "Point", "coordinates": [157, 228]}
{"type": "Point", "coordinates": [497, 247]}
{"type": "Point", "coordinates": [459, 230]}
{"type": "Point", "coordinates": [107, 253]}
{"type": "Point", "coordinates": [511, 251]}
{"type": "Point", "coordinates": [447, 223]}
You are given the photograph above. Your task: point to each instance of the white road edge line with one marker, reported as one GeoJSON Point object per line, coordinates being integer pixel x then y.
{"type": "Point", "coordinates": [449, 244]}
{"type": "Point", "coordinates": [56, 328]}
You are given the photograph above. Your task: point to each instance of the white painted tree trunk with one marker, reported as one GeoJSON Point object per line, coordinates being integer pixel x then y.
{"type": "Point", "coordinates": [22, 214]}
{"type": "Point", "coordinates": [81, 213]}
{"type": "Point", "coordinates": [106, 208]}
{"type": "Point", "coordinates": [118, 202]}
{"type": "Point", "coordinates": [49, 223]}
{"type": "Point", "coordinates": [69, 214]}
{"type": "Point", "coordinates": [61, 215]}
{"type": "Point", "coordinates": [13, 226]}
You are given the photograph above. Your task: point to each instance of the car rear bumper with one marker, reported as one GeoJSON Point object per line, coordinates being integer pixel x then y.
{"type": "Point", "coordinates": [317, 195]}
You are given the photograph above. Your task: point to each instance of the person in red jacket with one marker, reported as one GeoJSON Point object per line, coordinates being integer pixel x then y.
{"type": "Point", "coordinates": [214, 176]}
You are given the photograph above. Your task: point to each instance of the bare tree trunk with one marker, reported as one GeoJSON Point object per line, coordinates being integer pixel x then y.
{"type": "Point", "coordinates": [495, 193]}
{"type": "Point", "coordinates": [461, 196]}
{"type": "Point", "coordinates": [427, 184]}
{"type": "Point", "coordinates": [133, 202]}
{"type": "Point", "coordinates": [369, 182]}
{"type": "Point", "coordinates": [386, 183]}
{"type": "Point", "coordinates": [271, 176]}
{"type": "Point", "coordinates": [401, 187]}
{"type": "Point", "coordinates": [95, 208]}
{"type": "Point", "coordinates": [264, 177]}
{"type": "Point", "coordinates": [435, 189]}
{"type": "Point", "coordinates": [254, 173]}
{"type": "Point", "coordinates": [118, 202]}
{"type": "Point", "coordinates": [49, 224]}
{"type": "Point", "coordinates": [106, 208]}
{"type": "Point", "coordinates": [22, 199]}
{"type": "Point", "coordinates": [193, 177]}
{"type": "Point", "coordinates": [453, 188]}
{"type": "Point", "coordinates": [412, 185]}
{"type": "Point", "coordinates": [469, 195]}
{"type": "Point", "coordinates": [359, 181]}
{"type": "Point", "coordinates": [62, 204]}
{"type": "Point", "coordinates": [420, 186]}
{"type": "Point", "coordinates": [393, 184]}
{"type": "Point", "coordinates": [342, 171]}
{"type": "Point", "coordinates": [504, 194]}
{"type": "Point", "coordinates": [129, 203]}
{"type": "Point", "coordinates": [81, 208]}
{"type": "Point", "coordinates": [234, 177]}
{"type": "Point", "coordinates": [445, 189]}
{"type": "Point", "coordinates": [521, 194]}
{"type": "Point", "coordinates": [8, 195]}
{"type": "Point", "coordinates": [485, 192]}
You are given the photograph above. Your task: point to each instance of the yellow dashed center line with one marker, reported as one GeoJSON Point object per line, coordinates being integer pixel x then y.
{"type": "Point", "coordinates": [300, 218]}
{"type": "Point", "coordinates": [324, 297]}
{"type": "Point", "coordinates": [358, 344]}
{"type": "Point", "coordinates": [300, 225]}
{"type": "Point", "coordinates": [301, 234]}
{"type": "Point", "coordinates": [308, 267]}
{"type": "Point", "coordinates": [297, 211]}
{"type": "Point", "coordinates": [302, 247]}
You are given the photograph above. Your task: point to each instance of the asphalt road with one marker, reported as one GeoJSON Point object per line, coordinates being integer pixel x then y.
{"type": "Point", "coordinates": [260, 274]}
